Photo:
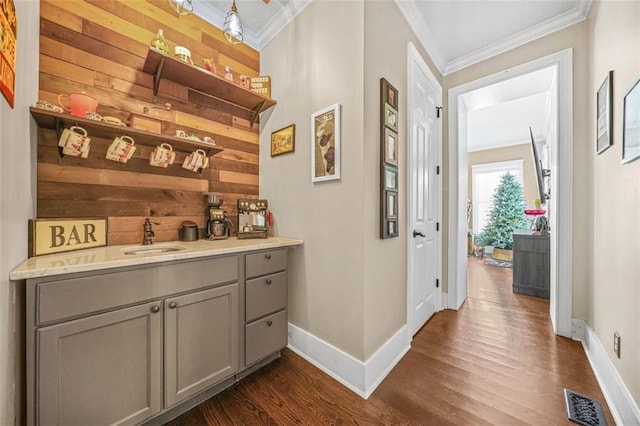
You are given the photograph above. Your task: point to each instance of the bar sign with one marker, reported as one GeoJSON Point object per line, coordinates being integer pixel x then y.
{"type": "Point", "coordinates": [48, 236]}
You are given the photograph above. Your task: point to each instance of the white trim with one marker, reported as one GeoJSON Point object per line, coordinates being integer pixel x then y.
{"type": "Point", "coordinates": [413, 16]}
{"type": "Point", "coordinates": [360, 377]}
{"type": "Point", "coordinates": [623, 408]}
{"type": "Point", "coordinates": [562, 183]}
{"type": "Point", "coordinates": [415, 59]}
{"type": "Point", "coordinates": [497, 145]}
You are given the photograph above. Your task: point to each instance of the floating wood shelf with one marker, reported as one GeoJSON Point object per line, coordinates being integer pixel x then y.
{"type": "Point", "coordinates": [59, 121]}
{"type": "Point", "coordinates": [161, 65]}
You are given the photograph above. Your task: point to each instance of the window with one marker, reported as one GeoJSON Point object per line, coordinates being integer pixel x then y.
{"type": "Point", "coordinates": [485, 180]}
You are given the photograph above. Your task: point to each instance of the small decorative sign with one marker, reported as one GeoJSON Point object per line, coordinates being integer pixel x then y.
{"type": "Point", "coordinates": [48, 236]}
{"type": "Point", "coordinates": [8, 40]}
{"type": "Point", "coordinates": [283, 140]}
{"type": "Point", "coordinates": [261, 85]}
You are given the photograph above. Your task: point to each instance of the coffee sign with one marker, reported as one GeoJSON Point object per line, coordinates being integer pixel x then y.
{"type": "Point", "coordinates": [261, 85]}
{"type": "Point", "coordinates": [48, 236]}
{"type": "Point", "coordinates": [8, 40]}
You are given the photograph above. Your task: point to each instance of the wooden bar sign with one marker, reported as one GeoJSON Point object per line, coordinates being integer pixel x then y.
{"type": "Point", "coordinates": [261, 85]}
{"type": "Point", "coordinates": [48, 236]}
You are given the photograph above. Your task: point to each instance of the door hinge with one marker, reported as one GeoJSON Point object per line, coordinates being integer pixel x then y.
{"type": "Point", "coordinates": [438, 109]}
{"type": "Point", "coordinates": [437, 283]}
{"type": "Point", "coordinates": [437, 170]}
{"type": "Point", "coordinates": [437, 226]}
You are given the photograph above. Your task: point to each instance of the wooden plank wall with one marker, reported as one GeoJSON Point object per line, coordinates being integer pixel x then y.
{"type": "Point", "coordinates": [99, 46]}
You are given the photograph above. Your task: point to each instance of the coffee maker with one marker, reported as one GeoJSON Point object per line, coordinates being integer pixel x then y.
{"type": "Point", "coordinates": [218, 222]}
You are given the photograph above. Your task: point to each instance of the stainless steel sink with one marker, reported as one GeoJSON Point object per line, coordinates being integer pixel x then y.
{"type": "Point", "coordinates": [152, 249]}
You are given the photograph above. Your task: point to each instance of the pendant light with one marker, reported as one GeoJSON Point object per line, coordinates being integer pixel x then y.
{"type": "Point", "coordinates": [181, 7]}
{"type": "Point", "coordinates": [233, 26]}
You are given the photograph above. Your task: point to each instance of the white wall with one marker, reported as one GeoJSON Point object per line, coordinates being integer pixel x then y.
{"type": "Point", "coordinates": [17, 192]}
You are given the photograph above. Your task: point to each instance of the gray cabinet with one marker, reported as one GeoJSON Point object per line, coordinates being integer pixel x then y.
{"type": "Point", "coordinates": [104, 369]}
{"type": "Point", "coordinates": [531, 264]}
{"type": "Point", "coordinates": [266, 302]}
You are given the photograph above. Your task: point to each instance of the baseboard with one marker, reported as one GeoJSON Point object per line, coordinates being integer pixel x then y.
{"type": "Point", "coordinates": [623, 408]}
{"type": "Point", "coordinates": [360, 377]}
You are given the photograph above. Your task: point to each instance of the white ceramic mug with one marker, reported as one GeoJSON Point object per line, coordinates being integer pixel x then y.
{"type": "Point", "coordinates": [121, 149]}
{"type": "Point", "coordinates": [75, 142]}
{"type": "Point", "coordinates": [181, 133]}
{"type": "Point", "coordinates": [162, 156]}
{"type": "Point", "coordinates": [196, 160]}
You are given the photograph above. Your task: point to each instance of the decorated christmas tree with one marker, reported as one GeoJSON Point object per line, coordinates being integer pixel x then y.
{"type": "Point", "coordinates": [506, 214]}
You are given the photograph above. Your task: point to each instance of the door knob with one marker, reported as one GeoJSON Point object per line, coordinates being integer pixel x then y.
{"type": "Point", "coordinates": [416, 233]}
{"type": "Point", "coordinates": [173, 305]}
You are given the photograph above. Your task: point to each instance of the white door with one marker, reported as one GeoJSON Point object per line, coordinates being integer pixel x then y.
{"type": "Point", "coordinates": [424, 293]}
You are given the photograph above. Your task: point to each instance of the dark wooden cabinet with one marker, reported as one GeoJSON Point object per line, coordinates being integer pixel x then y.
{"type": "Point", "coordinates": [531, 264]}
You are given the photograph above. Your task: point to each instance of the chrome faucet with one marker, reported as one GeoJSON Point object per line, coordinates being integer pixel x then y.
{"type": "Point", "coordinates": [148, 233]}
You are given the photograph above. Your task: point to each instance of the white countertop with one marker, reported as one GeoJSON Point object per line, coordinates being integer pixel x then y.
{"type": "Point", "coordinates": [108, 257]}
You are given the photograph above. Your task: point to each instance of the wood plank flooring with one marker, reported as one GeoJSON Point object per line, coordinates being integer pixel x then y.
{"type": "Point", "coordinates": [494, 362]}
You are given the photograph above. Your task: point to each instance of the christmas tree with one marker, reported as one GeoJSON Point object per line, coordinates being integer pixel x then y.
{"type": "Point", "coordinates": [506, 214]}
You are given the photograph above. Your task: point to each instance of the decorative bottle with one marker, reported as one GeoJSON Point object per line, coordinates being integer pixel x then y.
{"type": "Point", "coordinates": [159, 42]}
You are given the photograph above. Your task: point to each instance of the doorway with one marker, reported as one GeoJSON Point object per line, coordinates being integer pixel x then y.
{"type": "Point", "coordinates": [560, 183]}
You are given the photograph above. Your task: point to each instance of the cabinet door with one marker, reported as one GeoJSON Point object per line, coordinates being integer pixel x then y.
{"type": "Point", "coordinates": [201, 341]}
{"type": "Point", "coordinates": [104, 369]}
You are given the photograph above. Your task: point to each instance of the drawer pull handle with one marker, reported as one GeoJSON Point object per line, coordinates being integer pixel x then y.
{"type": "Point", "coordinates": [269, 323]}
{"type": "Point", "coordinates": [155, 309]}
{"type": "Point", "coordinates": [268, 282]}
{"type": "Point", "coordinates": [173, 305]}
{"type": "Point", "coordinates": [268, 256]}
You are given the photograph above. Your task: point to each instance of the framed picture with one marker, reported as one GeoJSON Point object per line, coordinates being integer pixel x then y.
{"type": "Point", "coordinates": [631, 124]}
{"type": "Point", "coordinates": [283, 141]}
{"type": "Point", "coordinates": [325, 140]}
{"type": "Point", "coordinates": [392, 228]}
{"type": "Point", "coordinates": [604, 107]}
{"type": "Point", "coordinates": [390, 117]}
{"type": "Point", "coordinates": [389, 94]}
{"type": "Point", "coordinates": [390, 205]}
{"type": "Point", "coordinates": [390, 155]}
{"type": "Point", "coordinates": [390, 178]}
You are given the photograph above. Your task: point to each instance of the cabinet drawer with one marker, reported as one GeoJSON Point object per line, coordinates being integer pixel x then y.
{"type": "Point", "coordinates": [57, 300]}
{"type": "Point", "coordinates": [265, 336]}
{"type": "Point", "coordinates": [266, 262]}
{"type": "Point", "coordinates": [535, 244]}
{"type": "Point", "coordinates": [266, 295]}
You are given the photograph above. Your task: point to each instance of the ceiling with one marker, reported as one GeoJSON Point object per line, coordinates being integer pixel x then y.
{"type": "Point", "coordinates": [455, 33]}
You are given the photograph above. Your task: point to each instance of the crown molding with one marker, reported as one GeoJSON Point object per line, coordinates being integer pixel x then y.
{"type": "Point", "coordinates": [577, 14]}
{"type": "Point", "coordinates": [422, 32]}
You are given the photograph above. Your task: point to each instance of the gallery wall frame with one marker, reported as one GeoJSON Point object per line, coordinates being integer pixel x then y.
{"type": "Point", "coordinates": [283, 141]}
{"type": "Point", "coordinates": [604, 108]}
{"type": "Point", "coordinates": [389, 172]}
{"type": "Point", "coordinates": [631, 124]}
{"type": "Point", "coordinates": [325, 144]}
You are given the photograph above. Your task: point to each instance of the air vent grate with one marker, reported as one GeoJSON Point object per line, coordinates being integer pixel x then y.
{"type": "Point", "coordinates": [584, 410]}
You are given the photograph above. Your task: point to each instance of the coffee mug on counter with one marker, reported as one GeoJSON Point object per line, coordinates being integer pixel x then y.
{"type": "Point", "coordinates": [196, 160]}
{"type": "Point", "coordinates": [75, 142]}
{"type": "Point", "coordinates": [162, 156]}
{"type": "Point", "coordinates": [121, 149]}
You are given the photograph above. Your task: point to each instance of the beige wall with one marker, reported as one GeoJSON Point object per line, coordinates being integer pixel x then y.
{"type": "Point", "coordinates": [574, 37]}
{"type": "Point", "coordinates": [347, 286]}
{"type": "Point", "coordinates": [515, 152]}
{"type": "Point", "coordinates": [17, 192]}
{"type": "Point", "coordinates": [614, 243]}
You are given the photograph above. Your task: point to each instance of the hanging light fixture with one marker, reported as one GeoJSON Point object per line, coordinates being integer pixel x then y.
{"type": "Point", "coordinates": [181, 7]}
{"type": "Point", "coordinates": [233, 26]}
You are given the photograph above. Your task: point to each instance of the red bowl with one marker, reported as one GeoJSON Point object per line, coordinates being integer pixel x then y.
{"type": "Point", "coordinates": [534, 212]}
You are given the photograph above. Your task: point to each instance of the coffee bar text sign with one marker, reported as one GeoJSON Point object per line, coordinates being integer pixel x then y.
{"type": "Point", "coordinates": [48, 236]}
{"type": "Point", "coordinates": [261, 85]}
{"type": "Point", "coordinates": [8, 40]}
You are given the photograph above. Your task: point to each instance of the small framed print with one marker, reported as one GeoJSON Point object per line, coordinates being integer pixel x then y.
{"type": "Point", "coordinates": [389, 93]}
{"type": "Point", "coordinates": [390, 147]}
{"type": "Point", "coordinates": [390, 117]}
{"type": "Point", "coordinates": [390, 178]}
{"type": "Point", "coordinates": [325, 144]}
{"type": "Point", "coordinates": [392, 228]}
{"type": "Point", "coordinates": [631, 124]}
{"type": "Point", "coordinates": [283, 141]}
{"type": "Point", "coordinates": [604, 121]}
{"type": "Point", "coordinates": [390, 205]}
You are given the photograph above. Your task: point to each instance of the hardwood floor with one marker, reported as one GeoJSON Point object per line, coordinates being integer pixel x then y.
{"type": "Point", "coordinates": [495, 361]}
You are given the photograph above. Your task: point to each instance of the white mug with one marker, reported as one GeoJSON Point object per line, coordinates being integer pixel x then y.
{"type": "Point", "coordinates": [162, 156]}
{"type": "Point", "coordinates": [121, 149]}
{"type": "Point", "coordinates": [196, 160]}
{"type": "Point", "coordinates": [75, 142]}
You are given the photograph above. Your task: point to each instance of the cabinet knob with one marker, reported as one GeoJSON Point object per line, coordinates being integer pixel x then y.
{"type": "Point", "coordinates": [268, 282]}
{"type": "Point", "coordinates": [269, 322]}
{"type": "Point", "coordinates": [155, 309]}
{"type": "Point", "coordinates": [268, 256]}
{"type": "Point", "coordinates": [173, 305]}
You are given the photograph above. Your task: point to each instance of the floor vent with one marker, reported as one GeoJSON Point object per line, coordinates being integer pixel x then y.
{"type": "Point", "coordinates": [584, 410]}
